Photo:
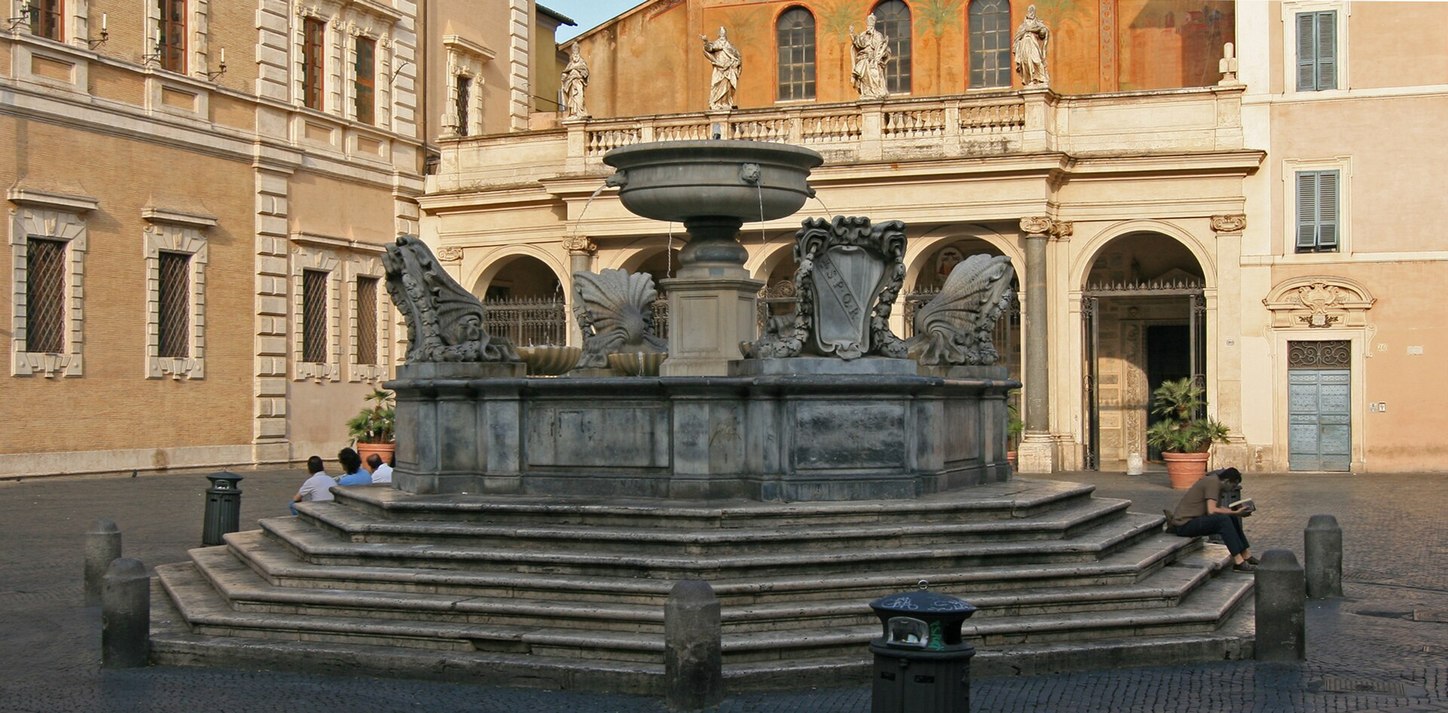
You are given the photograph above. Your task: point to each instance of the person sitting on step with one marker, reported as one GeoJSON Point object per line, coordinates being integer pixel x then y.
{"type": "Point", "coordinates": [352, 473]}
{"type": "Point", "coordinates": [318, 485]}
{"type": "Point", "coordinates": [381, 472]}
{"type": "Point", "coordinates": [1202, 511]}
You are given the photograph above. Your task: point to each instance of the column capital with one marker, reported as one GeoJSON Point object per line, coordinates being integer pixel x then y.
{"type": "Point", "coordinates": [1232, 223]}
{"type": "Point", "coordinates": [1036, 224]}
{"type": "Point", "coordinates": [1062, 229]}
{"type": "Point", "coordinates": [579, 245]}
{"type": "Point", "coordinates": [449, 254]}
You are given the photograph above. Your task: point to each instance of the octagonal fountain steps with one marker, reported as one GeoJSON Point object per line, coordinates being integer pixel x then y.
{"type": "Point", "coordinates": [523, 590]}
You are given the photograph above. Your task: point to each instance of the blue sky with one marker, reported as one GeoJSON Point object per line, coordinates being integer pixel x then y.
{"type": "Point", "coordinates": [587, 13]}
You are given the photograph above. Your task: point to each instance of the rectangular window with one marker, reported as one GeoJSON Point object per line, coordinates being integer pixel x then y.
{"type": "Point", "coordinates": [314, 34]}
{"type": "Point", "coordinates": [45, 18]}
{"type": "Point", "coordinates": [990, 44]}
{"type": "Point", "coordinates": [1316, 51]}
{"type": "Point", "coordinates": [171, 39]}
{"type": "Point", "coordinates": [45, 296]}
{"type": "Point", "coordinates": [314, 315]}
{"type": "Point", "coordinates": [366, 79]}
{"type": "Point", "coordinates": [1317, 211]}
{"type": "Point", "coordinates": [465, 90]}
{"type": "Point", "coordinates": [174, 298]}
{"type": "Point", "coordinates": [366, 320]}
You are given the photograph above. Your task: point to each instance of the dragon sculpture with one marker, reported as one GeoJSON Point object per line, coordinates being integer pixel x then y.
{"type": "Point", "coordinates": [444, 321]}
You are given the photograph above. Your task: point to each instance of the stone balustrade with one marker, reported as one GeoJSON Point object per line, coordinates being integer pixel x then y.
{"type": "Point", "coordinates": [999, 124]}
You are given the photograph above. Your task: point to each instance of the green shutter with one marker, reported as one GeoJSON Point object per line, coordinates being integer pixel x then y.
{"type": "Point", "coordinates": [1327, 201]}
{"type": "Point", "coordinates": [1306, 53]}
{"type": "Point", "coordinates": [1326, 50]}
{"type": "Point", "coordinates": [1306, 211]}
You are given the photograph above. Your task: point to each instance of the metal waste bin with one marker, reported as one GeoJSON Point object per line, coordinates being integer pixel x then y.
{"type": "Point", "coordinates": [921, 664]}
{"type": "Point", "coordinates": [223, 507]}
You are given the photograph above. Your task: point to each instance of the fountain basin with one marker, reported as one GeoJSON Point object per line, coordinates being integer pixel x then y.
{"type": "Point", "coordinates": [741, 180]}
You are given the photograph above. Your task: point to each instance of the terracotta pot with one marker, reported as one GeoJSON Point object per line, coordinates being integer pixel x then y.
{"type": "Point", "coordinates": [1184, 469]}
{"type": "Point", "coordinates": [1011, 458]}
{"type": "Point", "coordinates": [383, 450]}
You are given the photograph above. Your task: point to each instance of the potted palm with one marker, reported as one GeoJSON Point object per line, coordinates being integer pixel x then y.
{"type": "Point", "coordinates": [372, 429]}
{"type": "Point", "coordinates": [1185, 433]}
{"type": "Point", "coordinates": [1014, 427]}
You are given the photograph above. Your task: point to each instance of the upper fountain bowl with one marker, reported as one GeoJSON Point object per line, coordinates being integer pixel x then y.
{"type": "Point", "coordinates": [743, 180]}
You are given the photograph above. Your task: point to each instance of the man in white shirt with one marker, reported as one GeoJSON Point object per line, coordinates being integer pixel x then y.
{"type": "Point", "coordinates": [381, 472]}
{"type": "Point", "coordinates": [318, 485]}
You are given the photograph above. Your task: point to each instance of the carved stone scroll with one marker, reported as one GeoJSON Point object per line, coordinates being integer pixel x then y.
{"type": "Point", "coordinates": [444, 321]}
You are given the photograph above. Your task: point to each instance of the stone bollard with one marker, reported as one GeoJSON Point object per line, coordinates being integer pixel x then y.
{"type": "Point", "coordinates": [1281, 597]}
{"type": "Point", "coordinates": [126, 615]}
{"type": "Point", "coordinates": [693, 659]}
{"type": "Point", "coordinates": [1322, 553]}
{"type": "Point", "coordinates": [102, 546]}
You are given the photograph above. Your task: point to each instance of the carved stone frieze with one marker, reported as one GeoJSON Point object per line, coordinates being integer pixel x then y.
{"type": "Point", "coordinates": [1234, 223]}
{"type": "Point", "coordinates": [1320, 302]}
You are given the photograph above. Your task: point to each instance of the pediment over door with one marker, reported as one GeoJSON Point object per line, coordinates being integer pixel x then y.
{"type": "Point", "coordinates": [1319, 301]}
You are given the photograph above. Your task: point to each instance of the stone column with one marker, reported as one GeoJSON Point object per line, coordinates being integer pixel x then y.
{"type": "Point", "coordinates": [1037, 451]}
{"type": "Point", "coordinates": [1224, 341]}
{"type": "Point", "coordinates": [580, 259]}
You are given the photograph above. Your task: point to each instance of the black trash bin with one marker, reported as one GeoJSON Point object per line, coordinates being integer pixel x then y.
{"type": "Point", "coordinates": [223, 507]}
{"type": "Point", "coordinates": [921, 664]}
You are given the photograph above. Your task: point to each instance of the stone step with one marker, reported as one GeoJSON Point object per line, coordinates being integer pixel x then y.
{"type": "Point", "coordinates": [278, 566]}
{"type": "Point", "coordinates": [208, 614]}
{"type": "Point", "coordinates": [356, 525]}
{"type": "Point", "coordinates": [1017, 498]}
{"type": "Point", "coordinates": [317, 546]}
{"type": "Point", "coordinates": [245, 590]}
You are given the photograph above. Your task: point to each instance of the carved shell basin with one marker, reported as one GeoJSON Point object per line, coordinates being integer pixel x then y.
{"type": "Point", "coordinates": [745, 180]}
{"type": "Point", "coordinates": [549, 360]}
{"type": "Point", "coordinates": [638, 363]}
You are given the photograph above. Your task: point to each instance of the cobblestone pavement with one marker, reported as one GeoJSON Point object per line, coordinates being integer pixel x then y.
{"type": "Point", "coordinates": [1382, 649]}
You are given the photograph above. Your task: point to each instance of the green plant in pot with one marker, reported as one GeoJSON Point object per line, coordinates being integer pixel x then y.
{"type": "Point", "coordinates": [373, 429]}
{"type": "Point", "coordinates": [1184, 434]}
{"type": "Point", "coordinates": [1014, 428]}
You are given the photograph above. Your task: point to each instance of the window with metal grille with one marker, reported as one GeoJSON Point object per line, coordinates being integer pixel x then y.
{"type": "Point", "coordinates": [465, 90]}
{"type": "Point", "coordinates": [1317, 211]}
{"type": "Point", "coordinates": [45, 296]}
{"type": "Point", "coordinates": [314, 315]}
{"type": "Point", "coordinates": [174, 305]}
{"type": "Point", "coordinates": [892, 18]}
{"type": "Point", "coordinates": [365, 84]}
{"type": "Point", "coordinates": [1316, 51]}
{"type": "Point", "coordinates": [45, 18]}
{"type": "Point", "coordinates": [172, 44]}
{"type": "Point", "coordinates": [366, 320]}
{"type": "Point", "coordinates": [990, 43]}
{"type": "Point", "coordinates": [795, 34]}
{"type": "Point", "coordinates": [314, 36]}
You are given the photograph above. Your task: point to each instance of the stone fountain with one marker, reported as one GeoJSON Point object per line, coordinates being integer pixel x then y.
{"type": "Point", "coordinates": [537, 525]}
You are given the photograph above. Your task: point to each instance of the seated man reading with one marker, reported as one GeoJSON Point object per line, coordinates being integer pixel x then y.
{"type": "Point", "coordinates": [1202, 511]}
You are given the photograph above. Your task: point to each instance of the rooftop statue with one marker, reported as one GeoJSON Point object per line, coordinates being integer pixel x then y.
{"type": "Point", "coordinates": [848, 277]}
{"type": "Point", "coordinates": [615, 311]}
{"type": "Point", "coordinates": [727, 64]}
{"type": "Point", "coordinates": [872, 52]}
{"type": "Point", "coordinates": [575, 80]}
{"type": "Point", "coordinates": [444, 321]}
{"type": "Point", "coordinates": [1029, 45]}
{"type": "Point", "coordinates": [956, 328]}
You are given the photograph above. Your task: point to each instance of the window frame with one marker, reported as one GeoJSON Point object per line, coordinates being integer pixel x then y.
{"type": "Point", "coordinates": [185, 234]}
{"type": "Point", "coordinates": [1291, 169]}
{"type": "Point", "coordinates": [1291, 9]}
{"type": "Point", "coordinates": [56, 217]}
{"type": "Point", "coordinates": [48, 15]}
{"type": "Point", "coordinates": [977, 51]}
{"type": "Point", "coordinates": [1324, 186]}
{"type": "Point", "coordinates": [364, 80]}
{"type": "Point", "coordinates": [173, 35]}
{"type": "Point", "coordinates": [359, 266]}
{"type": "Point", "coordinates": [461, 96]}
{"type": "Point", "coordinates": [802, 82]}
{"type": "Point", "coordinates": [314, 63]}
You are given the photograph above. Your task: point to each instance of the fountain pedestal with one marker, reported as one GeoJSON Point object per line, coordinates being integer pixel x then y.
{"type": "Point", "coordinates": [714, 296]}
